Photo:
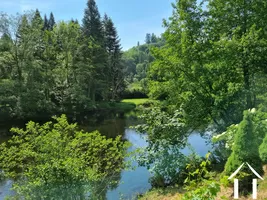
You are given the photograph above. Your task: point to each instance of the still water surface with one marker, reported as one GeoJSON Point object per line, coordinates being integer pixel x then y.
{"type": "Point", "coordinates": [131, 182]}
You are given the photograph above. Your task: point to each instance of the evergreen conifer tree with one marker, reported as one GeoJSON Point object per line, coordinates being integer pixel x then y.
{"type": "Point", "coordinates": [92, 25]}
{"type": "Point", "coordinates": [37, 21]}
{"type": "Point", "coordinates": [153, 38]}
{"type": "Point", "coordinates": [245, 150]}
{"type": "Point", "coordinates": [51, 22]}
{"type": "Point", "coordinates": [46, 26]}
{"type": "Point", "coordinates": [92, 28]}
{"type": "Point", "coordinates": [148, 38]}
{"type": "Point", "coordinates": [115, 68]}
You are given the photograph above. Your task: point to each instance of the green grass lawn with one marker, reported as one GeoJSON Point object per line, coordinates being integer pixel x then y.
{"type": "Point", "coordinates": [136, 101]}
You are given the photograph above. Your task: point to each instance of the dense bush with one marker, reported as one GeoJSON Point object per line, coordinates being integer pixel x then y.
{"type": "Point", "coordinates": [44, 158]}
{"type": "Point", "coordinates": [199, 183]}
{"type": "Point", "coordinates": [245, 149]}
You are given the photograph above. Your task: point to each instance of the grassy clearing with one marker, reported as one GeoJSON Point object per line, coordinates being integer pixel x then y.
{"type": "Point", "coordinates": [136, 101]}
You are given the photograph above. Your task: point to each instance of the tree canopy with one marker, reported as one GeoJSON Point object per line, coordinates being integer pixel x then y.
{"type": "Point", "coordinates": [212, 65]}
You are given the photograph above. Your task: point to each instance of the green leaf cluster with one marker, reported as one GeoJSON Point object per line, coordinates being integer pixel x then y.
{"type": "Point", "coordinates": [59, 155]}
{"type": "Point", "coordinates": [245, 149]}
{"type": "Point", "coordinates": [199, 183]}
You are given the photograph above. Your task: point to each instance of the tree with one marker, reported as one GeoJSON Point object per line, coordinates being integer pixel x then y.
{"type": "Point", "coordinates": [51, 22]}
{"type": "Point", "coordinates": [46, 25]}
{"type": "Point", "coordinates": [240, 24]}
{"type": "Point", "coordinates": [70, 74]}
{"type": "Point", "coordinates": [179, 73]}
{"type": "Point", "coordinates": [166, 135]}
{"type": "Point", "coordinates": [37, 20]}
{"type": "Point", "coordinates": [244, 138]}
{"type": "Point", "coordinates": [93, 32]}
{"type": "Point", "coordinates": [153, 38]}
{"type": "Point", "coordinates": [115, 73]}
{"type": "Point", "coordinates": [199, 68]}
{"type": "Point", "coordinates": [148, 38]}
{"type": "Point", "coordinates": [92, 26]}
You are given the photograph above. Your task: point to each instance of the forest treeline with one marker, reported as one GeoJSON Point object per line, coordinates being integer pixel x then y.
{"type": "Point", "coordinates": [64, 67]}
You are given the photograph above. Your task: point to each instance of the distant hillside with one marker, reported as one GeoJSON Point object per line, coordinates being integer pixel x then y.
{"type": "Point", "coordinates": [137, 61]}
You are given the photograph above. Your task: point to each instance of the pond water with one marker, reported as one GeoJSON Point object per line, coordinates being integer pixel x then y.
{"type": "Point", "coordinates": [131, 182]}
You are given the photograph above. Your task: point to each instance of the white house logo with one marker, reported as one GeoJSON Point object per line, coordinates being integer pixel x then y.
{"type": "Point", "coordinates": [254, 182]}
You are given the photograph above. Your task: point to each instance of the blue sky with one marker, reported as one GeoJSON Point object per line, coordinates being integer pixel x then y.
{"type": "Point", "coordinates": [132, 18]}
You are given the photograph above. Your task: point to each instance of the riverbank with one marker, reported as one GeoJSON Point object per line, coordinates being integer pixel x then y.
{"type": "Point", "coordinates": [176, 193]}
{"type": "Point", "coordinates": [91, 111]}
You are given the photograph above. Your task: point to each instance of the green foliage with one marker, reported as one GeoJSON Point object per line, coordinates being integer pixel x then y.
{"type": "Point", "coordinates": [245, 138]}
{"type": "Point", "coordinates": [48, 68]}
{"type": "Point", "coordinates": [263, 150]}
{"type": "Point", "coordinates": [199, 183]}
{"type": "Point", "coordinates": [138, 60]}
{"type": "Point", "coordinates": [258, 118]}
{"type": "Point", "coordinates": [115, 72]}
{"type": "Point", "coordinates": [57, 154]}
{"type": "Point", "coordinates": [211, 66]}
{"type": "Point", "coordinates": [166, 136]}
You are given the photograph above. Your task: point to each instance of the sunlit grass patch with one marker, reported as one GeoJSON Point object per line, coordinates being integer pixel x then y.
{"type": "Point", "coordinates": [137, 101]}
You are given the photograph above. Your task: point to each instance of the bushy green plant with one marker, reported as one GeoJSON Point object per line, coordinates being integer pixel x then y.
{"type": "Point", "coordinates": [200, 184]}
{"type": "Point", "coordinates": [245, 149]}
{"type": "Point", "coordinates": [58, 157]}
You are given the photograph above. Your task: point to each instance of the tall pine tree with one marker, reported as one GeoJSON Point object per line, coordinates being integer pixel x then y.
{"type": "Point", "coordinates": [115, 68]}
{"type": "Point", "coordinates": [92, 26]}
{"type": "Point", "coordinates": [46, 26]}
{"type": "Point", "coordinates": [51, 22]}
{"type": "Point", "coordinates": [37, 21]}
{"type": "Point", "coordinates": [93, 32]}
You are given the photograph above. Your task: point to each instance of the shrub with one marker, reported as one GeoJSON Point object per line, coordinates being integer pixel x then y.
{"type": "Point", "coordinates": [54, 157]}
{"type": "Point", "coordinates": [245, 149]}
{"type": "Point", "coordinates": [199, 183]}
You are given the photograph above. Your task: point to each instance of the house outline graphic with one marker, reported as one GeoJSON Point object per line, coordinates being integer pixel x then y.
{"type": "Point", "coordinates": [254, 182]}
